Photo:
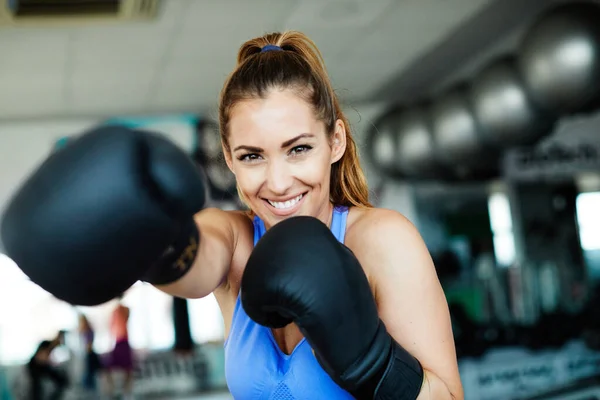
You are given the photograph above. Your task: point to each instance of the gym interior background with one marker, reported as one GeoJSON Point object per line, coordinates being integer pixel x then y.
{"type": "Point", "coordinates": [477, 119]}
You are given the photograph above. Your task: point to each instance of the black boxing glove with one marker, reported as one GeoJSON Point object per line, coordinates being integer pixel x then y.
{"type": "Point", "coordinates": [112, 207]}
{"type": "Point", "coordinates": [299, 272]}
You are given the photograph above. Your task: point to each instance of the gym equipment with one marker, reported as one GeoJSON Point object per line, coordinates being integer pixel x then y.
{"type": "Point", "coordinates": [416, 149]}
{"type": "Point", "coordinates": [208, 154]}
{"type": "Point", "coordinates": [208, 140]}
{"type": "Point", "coordinates": [583, 389]}
{"type": "Point", "coordinates": [456, 132]}
{"type": "Point", "coordinates": [168, 373]}
{"type": "Point", "coordinates": [221, 180]}
{"type": "Point", "coordinates": [559, 57]}
{"type": "Point", "coordinates": [381, 143]}
{"type": "Point", "coordinates": [465, 329]}
{"type": "Point", "coordinates": [502, 108]}
{"type": "Point", "coordinates": [473, 339]}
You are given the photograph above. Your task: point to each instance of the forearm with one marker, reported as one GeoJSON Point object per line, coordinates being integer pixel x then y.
{"type": "Point", "coordinates": [434, 388]}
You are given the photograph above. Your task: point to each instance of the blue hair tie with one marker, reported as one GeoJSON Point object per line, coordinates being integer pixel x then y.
{"type": "Point", "coordinates": [270, 47]}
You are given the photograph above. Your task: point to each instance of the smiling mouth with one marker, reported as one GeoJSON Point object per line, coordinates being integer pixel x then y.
{"type": "Point", "coordinates": [284, 205]}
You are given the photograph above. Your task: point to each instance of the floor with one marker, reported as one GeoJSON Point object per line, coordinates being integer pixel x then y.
{"type": "Point", "coordinates": [217, 395]}
{"type": "Point", "coordinates": [213, 396]}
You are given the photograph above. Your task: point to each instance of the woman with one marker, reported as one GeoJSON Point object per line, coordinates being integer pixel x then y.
{"type": "Point", "coordinates": [92, 361]}
{"type": "Point", "coordinates": [121, 357]}
{"type": "Point", "coordinates": [323, 296]}
{"type": "Point", "coordinates": [290, 147]}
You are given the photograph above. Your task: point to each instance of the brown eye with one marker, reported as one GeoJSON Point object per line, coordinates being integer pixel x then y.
{"type": "Point", "coordinates": [300, 149]}
{"type": "Point", "coordinates": [249, 157]}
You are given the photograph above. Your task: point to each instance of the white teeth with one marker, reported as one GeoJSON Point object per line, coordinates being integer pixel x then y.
{"type": "Point", "coordinates": [282, 205]}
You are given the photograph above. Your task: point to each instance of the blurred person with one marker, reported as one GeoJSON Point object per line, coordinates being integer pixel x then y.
{"type": "Point", "coordinates": [92, 364]}
{"type": "Point", "coordinates": [40, 368]}
{"type": "Point", "coordinates": [59, 339]}
{"type": "Point", "coordinates": [121, 357]}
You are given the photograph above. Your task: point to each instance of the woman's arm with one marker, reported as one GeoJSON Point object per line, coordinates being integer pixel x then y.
{"type": "Point", "coordinates": [219, 233]}
{"type": "Point", "coordinates": [409, 297]}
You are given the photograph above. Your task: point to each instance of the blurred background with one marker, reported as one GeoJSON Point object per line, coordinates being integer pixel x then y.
{"type": "Point", "coordinates": [479, 120]}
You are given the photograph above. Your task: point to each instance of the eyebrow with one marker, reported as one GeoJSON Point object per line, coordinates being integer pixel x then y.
{"type": "Point", "coordinates": [285, 144]}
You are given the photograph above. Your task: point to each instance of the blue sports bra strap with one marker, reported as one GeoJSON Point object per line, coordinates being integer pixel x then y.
{"type": "Point", "coordinates": [338, 222]}
{"type": "Point", "coordinates": [259, 229]}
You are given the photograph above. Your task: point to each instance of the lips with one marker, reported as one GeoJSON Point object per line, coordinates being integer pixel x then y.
{"type": "Point", "coordinates": [286, 205]}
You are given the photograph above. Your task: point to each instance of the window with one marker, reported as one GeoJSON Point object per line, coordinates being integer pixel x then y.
{"type": "Point", "coordinates": [206, 321]}
{"type": "Point", "coordinates": [502, 229]}
{"type": "Point", "coordinates": [588, 219]}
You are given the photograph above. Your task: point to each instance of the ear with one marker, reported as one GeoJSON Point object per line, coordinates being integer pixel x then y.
{"type": "Point", "coordinates": [338, 141]}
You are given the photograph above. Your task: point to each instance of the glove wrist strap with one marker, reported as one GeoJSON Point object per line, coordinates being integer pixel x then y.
{"type": "Point", "coordinates": [177, 259]}
{"type": "Point", "coordinates": [403, 377]}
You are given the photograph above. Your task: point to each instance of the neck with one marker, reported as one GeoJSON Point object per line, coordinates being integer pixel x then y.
{"type": "Point", "coordinates": [326, 216]}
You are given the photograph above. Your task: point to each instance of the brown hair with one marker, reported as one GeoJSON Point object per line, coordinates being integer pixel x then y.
{"type": "Point", "coordinates": [299, 66]}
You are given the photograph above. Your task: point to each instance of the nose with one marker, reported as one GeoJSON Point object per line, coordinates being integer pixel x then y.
{"type": "Point", "coordinates": [279, 178]}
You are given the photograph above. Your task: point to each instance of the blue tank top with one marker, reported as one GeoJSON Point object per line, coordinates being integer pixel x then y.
{"type": "Point", "coordinates": [255, 366]}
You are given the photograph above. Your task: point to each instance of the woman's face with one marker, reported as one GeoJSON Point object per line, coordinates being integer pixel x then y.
{"type": "Point", "coordinates": [281, 156]}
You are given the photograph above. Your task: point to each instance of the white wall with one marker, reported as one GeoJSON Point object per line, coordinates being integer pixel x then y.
{"type": "Point", "coordinates": [23, 145]}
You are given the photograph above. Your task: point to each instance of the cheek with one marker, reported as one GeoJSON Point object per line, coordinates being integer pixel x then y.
{"type": "Point", "coordinates": [315, 170]}
{"type": "Point", "coordinates": [250, 180]}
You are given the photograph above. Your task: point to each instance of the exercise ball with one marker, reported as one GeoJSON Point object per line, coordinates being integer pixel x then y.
{"type": "Point", "coordinates": [209, 155]}
{"type": "Point", "coordinates": [208, 140]}
{"type": "Point", "coordinates": [220, 178]}
{"type": "Point", "coordinates": [455, 130]}
{"type": "Point", "coordinates": [382, 145]}
{"type": "Point", "coordinates": [559, 57]}
{"type": "Point", "coordinates": [416, 149]}
{"type": "Point", "coordinates": [504, 112]}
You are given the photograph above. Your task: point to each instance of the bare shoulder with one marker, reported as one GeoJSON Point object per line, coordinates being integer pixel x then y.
{"type": "Point", "coordinates": [383, 240]}
{"type": "Point", "coordinates": [369, 226]}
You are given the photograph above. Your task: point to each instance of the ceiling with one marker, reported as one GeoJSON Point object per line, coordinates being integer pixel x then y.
{"type": "Point", "coordinates": [494, 31]}
{"type": "Point", "coordinates": [178, 62]}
